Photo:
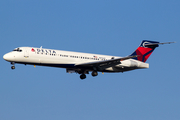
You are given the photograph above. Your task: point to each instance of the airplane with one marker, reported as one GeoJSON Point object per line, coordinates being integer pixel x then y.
{"type": "Point", "coordinates": [83, 63]}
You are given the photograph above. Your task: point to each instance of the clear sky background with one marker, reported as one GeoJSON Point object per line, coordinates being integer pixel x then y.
{"type": "Point", "coordinates": [110, 27]}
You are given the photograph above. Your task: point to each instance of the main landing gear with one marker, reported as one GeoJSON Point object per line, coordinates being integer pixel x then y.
{"type": "Point", "coordinates": [82, 76]}
{"type": "Point", "coordinates": [94, 73]}
{"type": "Point", "coordinates": [12, 67]}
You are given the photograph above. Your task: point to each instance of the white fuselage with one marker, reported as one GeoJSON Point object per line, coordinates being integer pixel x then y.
{"type": "Point", "coordinates": [68, 60]}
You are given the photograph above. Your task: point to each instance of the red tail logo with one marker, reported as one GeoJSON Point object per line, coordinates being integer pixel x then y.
{"type": "Point", "coordinates": [144, 51]}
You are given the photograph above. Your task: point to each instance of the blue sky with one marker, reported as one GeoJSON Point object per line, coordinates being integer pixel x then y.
{"type": "Point", "coordinates": [96, 26]}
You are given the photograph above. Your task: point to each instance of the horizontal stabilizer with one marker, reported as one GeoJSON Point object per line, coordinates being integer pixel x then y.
{"type": "Point", "coordinates": [158, 43]}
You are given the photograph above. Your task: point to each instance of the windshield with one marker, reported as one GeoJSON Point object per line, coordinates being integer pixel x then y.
{"type": "Point", "coordinates": [17, 49]}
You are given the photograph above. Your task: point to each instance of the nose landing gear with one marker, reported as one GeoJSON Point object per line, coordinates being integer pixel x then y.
{"type": "Point", "coordinates": [12, 67]}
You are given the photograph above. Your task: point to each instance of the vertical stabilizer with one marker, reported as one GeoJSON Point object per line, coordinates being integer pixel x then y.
{"type": "Point", "coordinates": [145, 50]}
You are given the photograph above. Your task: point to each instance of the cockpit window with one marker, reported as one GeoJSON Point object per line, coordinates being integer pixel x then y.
{"type": "Point", "coordinates": [18, 50]}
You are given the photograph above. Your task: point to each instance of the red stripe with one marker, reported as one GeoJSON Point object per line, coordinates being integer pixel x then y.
{"type": "Point", "coordinates": [142, 51]}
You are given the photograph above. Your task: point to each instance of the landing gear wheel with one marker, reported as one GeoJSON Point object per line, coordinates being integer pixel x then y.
{"type": "Point", "coordinates": [94, 73]}
{"type": "Point", "coordinates": [83, 76]}
{"type": "Point", "coordinates": [12, 67]}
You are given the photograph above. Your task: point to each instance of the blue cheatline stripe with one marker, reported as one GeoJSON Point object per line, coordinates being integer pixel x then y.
{"type": "Point", "coordinates": [58, 65]}
{"type": "Point", "coordinates": [50, 65]}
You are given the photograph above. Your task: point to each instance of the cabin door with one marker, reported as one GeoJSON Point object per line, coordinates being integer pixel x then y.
{"type": "Point", "coordinates": [26, 53]}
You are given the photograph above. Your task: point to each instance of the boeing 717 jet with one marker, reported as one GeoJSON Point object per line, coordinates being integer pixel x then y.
{"type": "Point", "coordinates": [83, 63]}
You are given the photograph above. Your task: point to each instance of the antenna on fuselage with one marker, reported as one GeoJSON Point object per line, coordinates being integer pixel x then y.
{"type": "Point", "coordinates": [41, 47]}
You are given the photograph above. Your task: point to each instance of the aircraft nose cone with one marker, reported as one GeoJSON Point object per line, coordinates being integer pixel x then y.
{"type": "Point", "coordinates": [5, 57]}
{"type": "Point", "coordinates": [8, 57]}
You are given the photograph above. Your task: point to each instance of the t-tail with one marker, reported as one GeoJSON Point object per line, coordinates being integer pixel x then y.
{"type": "Point", "coordinates": [145, 49]}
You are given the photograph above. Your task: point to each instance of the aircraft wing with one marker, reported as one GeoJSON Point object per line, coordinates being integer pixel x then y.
{"type": "Point", "coordinates": [105, 64]}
